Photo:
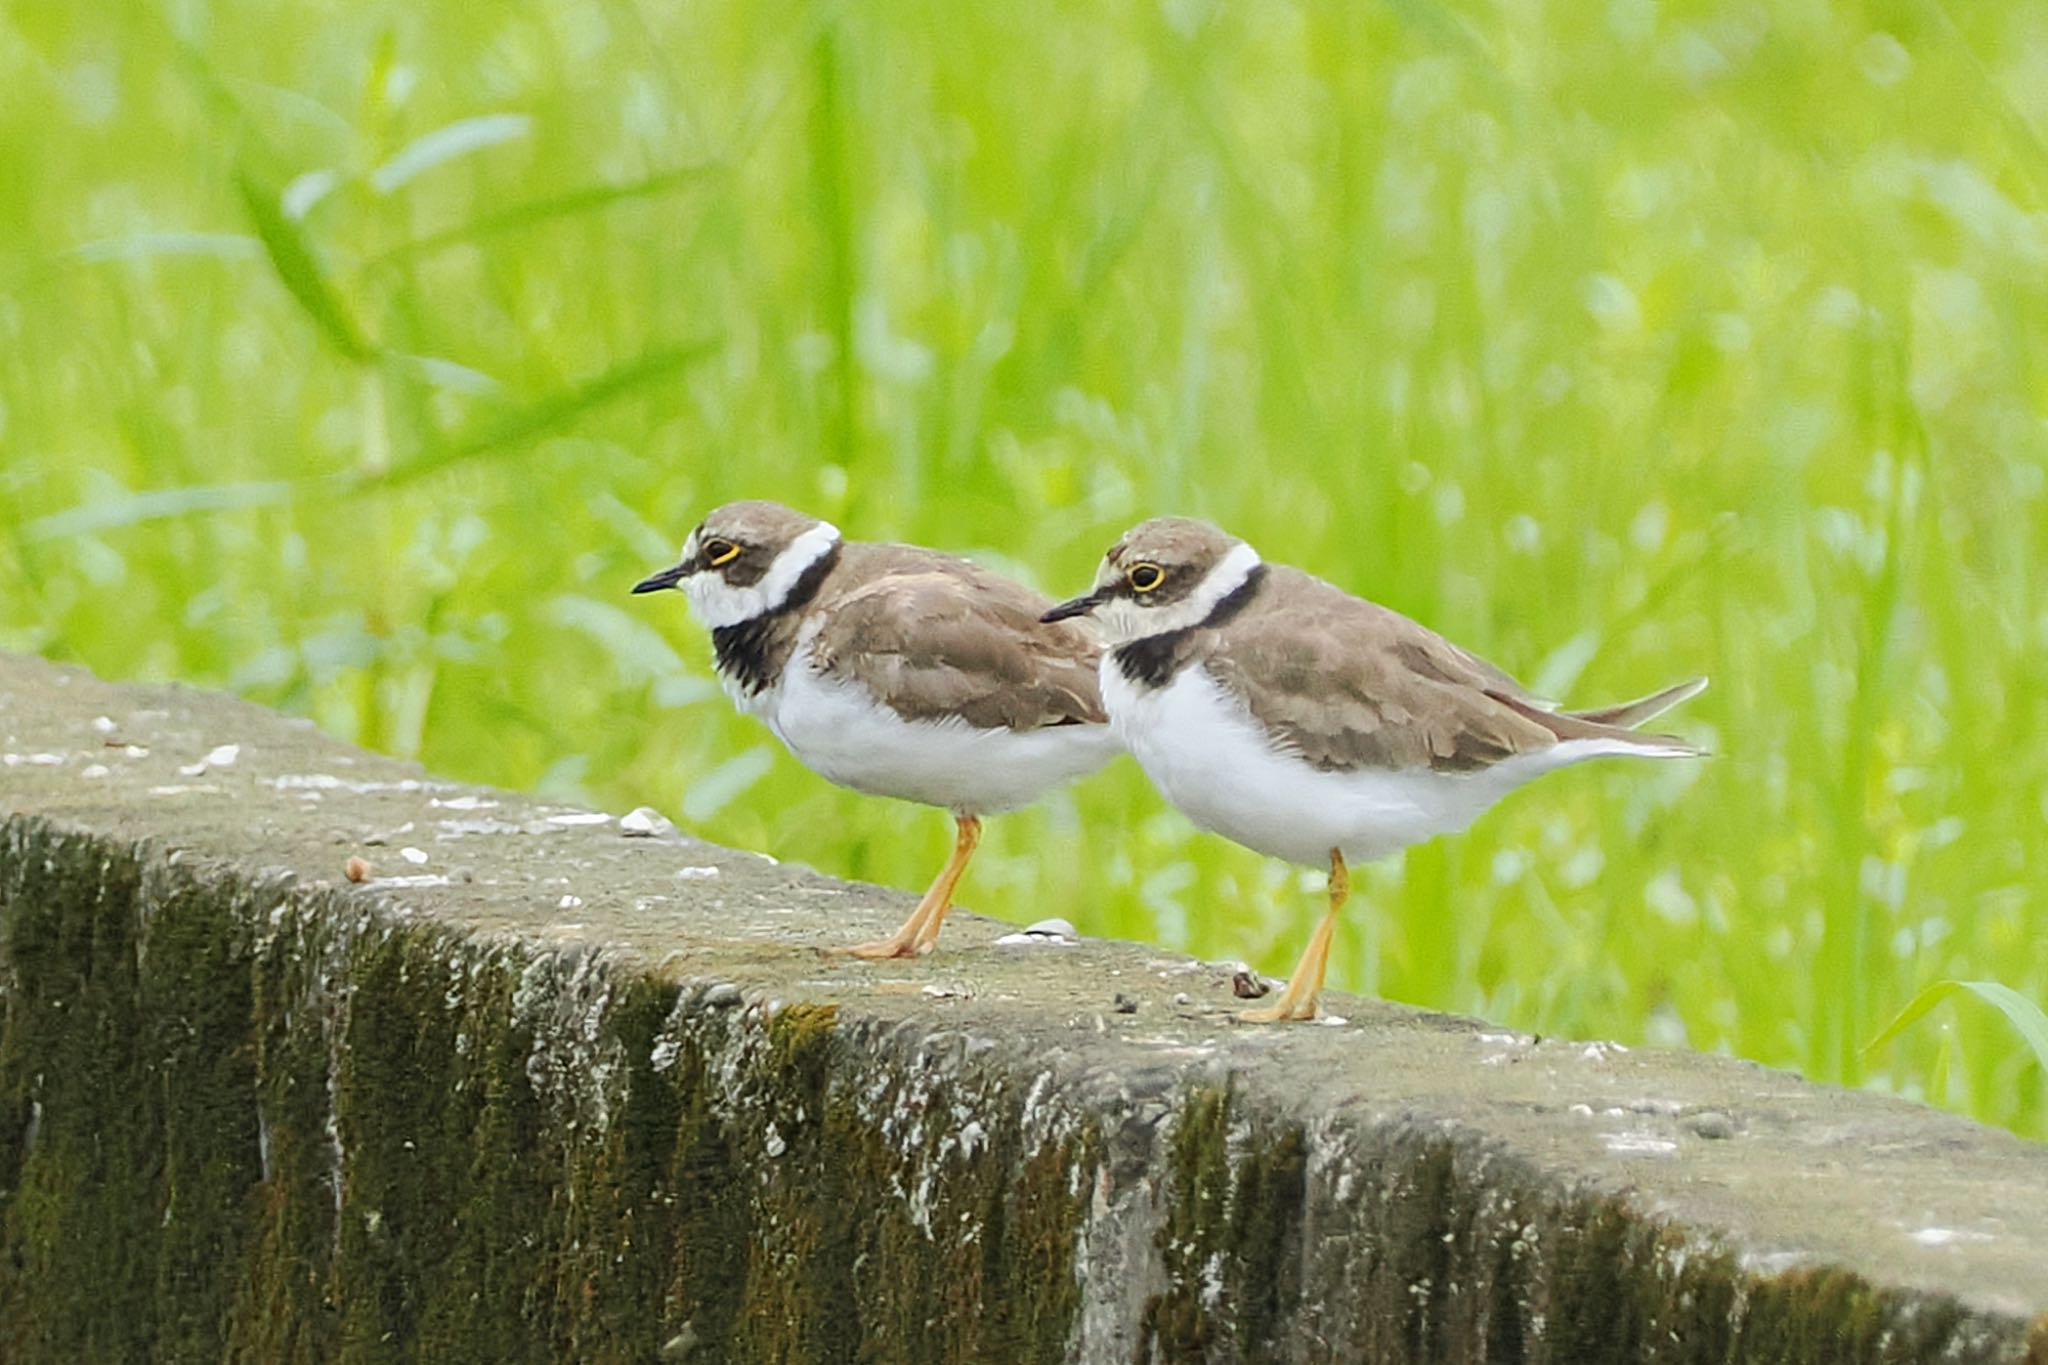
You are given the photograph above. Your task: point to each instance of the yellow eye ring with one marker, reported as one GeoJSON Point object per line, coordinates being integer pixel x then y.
{"type": "Point", "coordinates": [719, 552]}
{"type": "Point", "coordinates": [1145, 577]}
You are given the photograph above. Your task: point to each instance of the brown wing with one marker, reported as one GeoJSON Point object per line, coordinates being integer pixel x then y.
{"type": "Point", "coordinates": [932, 636]}
{"type": "Point", "coordinates": [1349, 684]}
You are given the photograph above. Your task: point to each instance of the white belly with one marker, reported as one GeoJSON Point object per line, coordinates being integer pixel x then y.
{"type": "Point", "coordinates": [840, 732]}
{"type": "Point", "coordinates": [1201, 748]}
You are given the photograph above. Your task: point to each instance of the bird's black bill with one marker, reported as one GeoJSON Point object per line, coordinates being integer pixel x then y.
{"type": "Point", "coordinates": [667, 578]}
{"type": "Point", "coordinates": [1079, 606]}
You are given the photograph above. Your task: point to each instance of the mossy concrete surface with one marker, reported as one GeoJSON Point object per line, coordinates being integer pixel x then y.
{"type": "Point", "coordinates": [543, 1091]}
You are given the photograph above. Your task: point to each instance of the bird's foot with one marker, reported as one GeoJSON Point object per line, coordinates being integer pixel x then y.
{"type": "Point", "coordinates": [1282, 1011]}
{"type": "Point", "coordinates": [881, 949]}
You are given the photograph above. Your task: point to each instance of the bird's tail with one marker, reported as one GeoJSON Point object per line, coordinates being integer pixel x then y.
{"type": "Point", "coordinates": [1630, 714]}
{"type": "Point", "coordinates": [1616, 725]}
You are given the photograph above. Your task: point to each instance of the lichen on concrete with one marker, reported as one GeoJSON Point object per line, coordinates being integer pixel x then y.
{"type": "Point", "coordinates": [560, 1094]}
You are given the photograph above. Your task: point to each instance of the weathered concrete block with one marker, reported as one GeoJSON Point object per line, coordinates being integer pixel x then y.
{"type": "Point", "coordinates": [542, 1091]}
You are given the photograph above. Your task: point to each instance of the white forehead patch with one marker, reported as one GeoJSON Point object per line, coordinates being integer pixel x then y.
{"type": "Point", "coordinates": [1123, 620]}
{"type": "Point", "coordinates": [718, 603]}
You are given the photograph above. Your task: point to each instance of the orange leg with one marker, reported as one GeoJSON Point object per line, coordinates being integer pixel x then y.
{"type": "Point", "coordinates": [921, 931]}
{"type": "Point", "coordinates": [1305, 983]}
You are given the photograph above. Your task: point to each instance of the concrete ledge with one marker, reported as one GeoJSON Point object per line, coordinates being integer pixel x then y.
{"type": "Point", "coordinates": [543, 1091]}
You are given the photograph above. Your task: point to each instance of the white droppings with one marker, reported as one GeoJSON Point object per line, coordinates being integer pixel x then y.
{"type": "Point", "coordinates": [415, 879]}
{"type": "Point", "coordinates": [221, 756]}
{"type": "Point", "coordinates": [580, 817]}
{"type": "Point", "coordinates": [464, 803]}
{"type": "Point", "coordinates": [456, 829]}
{"type": "Point", "coordinates": [696, 874]}
{"type": "Point", "coordinates": [95, 770]}
{"type": "Point", "coordinates": [416, 856]}
{"type": "Point", "coordinates": [569, 903]}
{"type": "Point", "coordinates": [32, 760]}
{"type": "Point", "coordinates": [329, 782]}
{"type": "Point", "coordinates": [1941, 1237]}
{"type": "Point", "coordinates": [104, 724]}
{"type": "Point", "coordinates": [1600, 1052]}
{"type": "Point", "coordinates": [1638, 1144]}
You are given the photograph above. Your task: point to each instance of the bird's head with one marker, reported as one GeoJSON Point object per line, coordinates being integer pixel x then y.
{"type": "Point", "coordinates": [1164, 575]}
{"type": "Point", "coordinates": [744, 560]}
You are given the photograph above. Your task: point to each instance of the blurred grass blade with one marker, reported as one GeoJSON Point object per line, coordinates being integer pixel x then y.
{"type": "Point", "coordinates": [305, 192]}
{"type": "Point", "coordinates": [447, 374]}
{"type": "Point", "coordinates": [446, 143]}
{"type": "Point", "coordinates": [543, 210]}
{"type": "Point", "coordinates": [640, 653]}
{"type": "Point", "coordinates": [291, 255]}
{"type": "Point", "coordinates": [145, 245]}
{"type": "Point", "coordinates": [511, 432]}
{"type": "Point", "coordinates": [711, 792]}
{"type": "Point", "coordinates": [158, 503]}
{"type": "Point", "coordinates": [2022, 1013]}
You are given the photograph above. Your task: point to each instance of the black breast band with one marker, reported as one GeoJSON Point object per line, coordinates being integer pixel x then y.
{"type": "Point", "coordinates": [752, 652]}
{"type": "Point", "coordinates": [1150, 661]}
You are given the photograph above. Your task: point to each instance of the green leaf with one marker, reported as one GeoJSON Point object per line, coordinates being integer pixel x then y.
{"type": "Point", "coordinates": [299, 270]}
{"type": "Point", "coordinates": [570, 204]}
{"type": "Point", "coordinates": [147, 245]}
{"type": "Point", "coordinates": [155, 504]}
{"type": "Point", "coordinates": [445, 143]}
{"type": "Point", "coordinates": [2023, 1014]}
{"type": "Point", "coordinates": [513, 431]}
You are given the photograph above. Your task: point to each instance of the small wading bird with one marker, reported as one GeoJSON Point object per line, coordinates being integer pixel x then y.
{"type": "Point", "coordinates": [1283, 713]}
{"type": "Point", "coordinates": [897, 671]}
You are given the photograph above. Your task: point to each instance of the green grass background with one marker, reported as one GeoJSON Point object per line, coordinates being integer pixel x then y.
{"type": "Point", "coordinates": [359, 356]}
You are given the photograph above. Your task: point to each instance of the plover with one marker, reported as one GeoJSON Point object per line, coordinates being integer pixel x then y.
{"type": "Point", "coordinates": [1288, 715]}
{"type": "Point", "coordinates": [895, 670]}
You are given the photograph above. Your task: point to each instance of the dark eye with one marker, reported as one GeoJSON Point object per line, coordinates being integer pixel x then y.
{"type": "Point", "coordinates": [718, 552]}
{"type": "Point", "coordinates": [1145, 577]}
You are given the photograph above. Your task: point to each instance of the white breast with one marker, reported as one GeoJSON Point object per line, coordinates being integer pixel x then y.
{"type": "Point", "coordinates": [839, 731]}
{"type": "Point", "coordinates": [1202, 749]}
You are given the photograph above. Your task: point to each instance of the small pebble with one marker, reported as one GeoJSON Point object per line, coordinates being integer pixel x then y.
{"type": "Point", "coordinates": [722, 996]}
{"type": "Point", "coordinates": [356, 869]}
{"type": "Point", "coordinates": [1247, 984]}
{"type": "Point", "coordinates": [1711, 1124]}
{"type": "Point", "coordinates": [1182, 998]}
{"type": "Point", "coordinates": [1047, 932]}
{"type": "Point", "coordinates": [1125, 1004]}
{"type": "Point", "coordinates": [644, 822]}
